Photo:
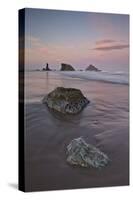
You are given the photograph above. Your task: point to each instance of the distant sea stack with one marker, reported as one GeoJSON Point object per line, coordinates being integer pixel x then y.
{"type": "Point", "coordinates": [66, 100]}
{"type": "Point", "coordinates": [92, 68]}
{"type": "Point", "coordinates": [47, 68]}
{"type": "Point", "coordinates": [66, 67]}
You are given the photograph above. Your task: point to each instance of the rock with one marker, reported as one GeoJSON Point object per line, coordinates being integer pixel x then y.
{"type": "Point", "coordinates": [47, 68]}
{"type": "Point", "coordinates": [66, 67]}
{"type": "Point", "coordinates": [85, 155]}
{"type": "Point", "coordinates": [66, 100]}
{"type": "Point", "coordinates": [92, 68]}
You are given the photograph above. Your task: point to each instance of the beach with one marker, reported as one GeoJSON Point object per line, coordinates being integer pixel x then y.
{"type": "Point", "coordinates": [103, 123]}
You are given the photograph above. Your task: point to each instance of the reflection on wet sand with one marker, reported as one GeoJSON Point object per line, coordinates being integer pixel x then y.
{"type": "Point", "coordinates": [104, 123]}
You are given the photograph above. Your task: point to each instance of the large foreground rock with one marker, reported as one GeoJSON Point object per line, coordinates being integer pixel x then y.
{"type": "Point", "coordinates": [92, 68]}
{"type": "Point", "coordinates": [85, 155]}
{"type": "Point", "coordinates": [66, 100]}
{"type": "Point", "coordinates": [66, 67]}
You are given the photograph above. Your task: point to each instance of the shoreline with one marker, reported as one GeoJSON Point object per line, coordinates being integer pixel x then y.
{"type": "Point", "coordinates": [103, 123]}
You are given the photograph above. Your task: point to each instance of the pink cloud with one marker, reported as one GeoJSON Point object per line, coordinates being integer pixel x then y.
{"type": "Point", "coordinates": [37, 52]}
{"type": "Point", "coordinates": [109, 45]}
{"type": "Point", "coordinates": [112, 47]}
{"type": "Point", "coordinates": [105, 41]}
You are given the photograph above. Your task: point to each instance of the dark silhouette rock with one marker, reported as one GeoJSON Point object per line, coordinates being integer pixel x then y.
{"type": "Point", "coordinates": [85, 155]}
{"type": "Point", "coordinates": [66, 67]}
{"type": "Point", "coordinates": [66, 100]}
{"type": "Point", "coordinates": [47, 68]}
{"type": "Point", "coordinates": [92, 68]}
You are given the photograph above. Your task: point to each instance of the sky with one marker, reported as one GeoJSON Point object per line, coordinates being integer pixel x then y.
{"type": "Point", "coordinates": [76, 38]}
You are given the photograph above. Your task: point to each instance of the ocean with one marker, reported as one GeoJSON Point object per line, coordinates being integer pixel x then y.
{"type": "Point", "coordinates": [103, 123]}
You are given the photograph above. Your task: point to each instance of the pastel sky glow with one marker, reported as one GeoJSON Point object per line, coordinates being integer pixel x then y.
{"type": "Point", "coordinates": [77, 38]}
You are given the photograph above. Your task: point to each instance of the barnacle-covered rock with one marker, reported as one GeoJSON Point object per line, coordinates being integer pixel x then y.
{"type": "Point", "coordinates": [85, 155]}
{"type": "Point", "coordinates": [66, 100]}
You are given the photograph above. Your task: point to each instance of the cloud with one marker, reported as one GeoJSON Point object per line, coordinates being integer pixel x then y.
{"type": "Point", "coordinates": [33, 42]}
{"type": "Point", "coordinates": [112, 47]}
{"type": "Point", "coordinates": [109, 45]}
{"type": "Point", "coordinates": [105, 41]}
{"type": "Point", "coordinates": [38, 52]}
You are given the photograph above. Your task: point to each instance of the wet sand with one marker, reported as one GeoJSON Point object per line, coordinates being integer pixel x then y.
{"type": "Point", "coordinates": [104, 123]}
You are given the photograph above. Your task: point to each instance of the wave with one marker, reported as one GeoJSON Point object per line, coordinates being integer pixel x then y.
{"type": "Point", "coordinates": [118, 77]}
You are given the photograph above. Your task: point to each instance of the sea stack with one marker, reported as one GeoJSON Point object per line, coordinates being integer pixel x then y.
{"type": "Point", "coordinates": [92, 68]}
{"type": "Point", "coordinates": [85, 155]}
{"type": "Point", "coordinates": [66, 100]}
{"type": "Point", "coordinates": [47, 68]}
{"type": "Point", "coordinates": [66, 67]}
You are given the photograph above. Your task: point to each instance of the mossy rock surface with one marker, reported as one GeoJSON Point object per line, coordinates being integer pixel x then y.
{"type": "Point", "coordinates": [66, 100]}
{"type": "Point", "coordinates": [80, 153]}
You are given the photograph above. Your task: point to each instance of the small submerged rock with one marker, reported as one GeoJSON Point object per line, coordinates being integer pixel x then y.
{"type": "Point", "coordinates": [85, 155]}
{"type": "Point", "coordinates": [66, 100]}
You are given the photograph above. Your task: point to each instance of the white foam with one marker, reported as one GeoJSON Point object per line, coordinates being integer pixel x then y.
{"type": "Point", "coordinates": [116, 77]}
